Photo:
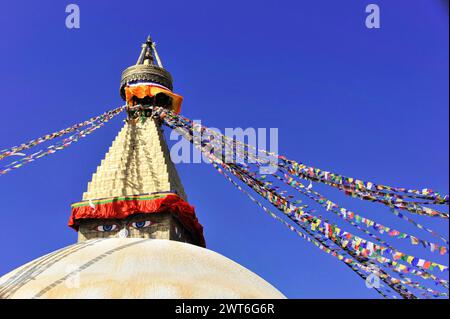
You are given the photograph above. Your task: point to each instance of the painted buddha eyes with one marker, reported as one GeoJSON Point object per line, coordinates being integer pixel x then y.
{"type": "Point", "coordinates": [115, 227]}
{"type": "Point", "coordinates": [141, 224]}
{"type": "Point", "coordinates": [107, 228]}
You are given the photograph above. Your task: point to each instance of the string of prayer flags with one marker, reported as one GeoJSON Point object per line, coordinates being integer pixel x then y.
{"type": "Point", "coordinates": [352, 217]}
{"type": "Point", "coordinates": [322, 175]}
{"type": "Point", "coordinates": [356, 184]}
{"type": "Point", "coordinates": [94, 125]}
{"type": "Point", "coordinates": [391, 196]}
{"type": "Point", "coordinates": [386, 199]}
{"type": "Point", "coordinates": [350, 262]}
{"type": "Point", "coordinates": [360, 220]}
{"type": "Point", "coordinates": [362, 255]}
{"type": "Point", "coordinates": [365, 247]}
{"type": "Point", "coordinates": [15, 150]}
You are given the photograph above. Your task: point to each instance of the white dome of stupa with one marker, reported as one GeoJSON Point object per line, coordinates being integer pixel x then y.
{"type": "Point", "coordinates": [134, 268]}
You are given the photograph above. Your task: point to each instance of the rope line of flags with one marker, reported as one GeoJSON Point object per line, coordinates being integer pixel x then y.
{"type": "Point", "coordinates": [284, 189]}
{"type": "Point", "coordinates": [79, 131]}
{"type": "Point", "coordinates": [371, 257]}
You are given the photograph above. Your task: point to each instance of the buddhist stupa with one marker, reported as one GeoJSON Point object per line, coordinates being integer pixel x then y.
{"type": "Point", "coordinates": [138, 237]}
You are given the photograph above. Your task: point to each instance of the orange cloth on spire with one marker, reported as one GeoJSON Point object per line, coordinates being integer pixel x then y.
{"type": "Point", "coordinates": [141, 91]}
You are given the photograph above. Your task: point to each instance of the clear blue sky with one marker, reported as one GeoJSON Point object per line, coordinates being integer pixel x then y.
{"type": "Point", "coordinates": [372, 104]}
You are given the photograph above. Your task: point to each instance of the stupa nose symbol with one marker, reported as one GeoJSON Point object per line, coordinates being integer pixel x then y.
{"type": "Point", "coordinates": [123, 233]}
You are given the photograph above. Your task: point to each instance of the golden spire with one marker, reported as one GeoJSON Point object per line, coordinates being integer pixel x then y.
{"type": "Point", "coordinates": [145, 70]}
{"type": "Point", "coordinates": [138, 161]}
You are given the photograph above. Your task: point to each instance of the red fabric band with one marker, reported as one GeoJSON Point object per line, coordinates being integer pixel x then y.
{"type": "Point", "coordinates": [122, 208]}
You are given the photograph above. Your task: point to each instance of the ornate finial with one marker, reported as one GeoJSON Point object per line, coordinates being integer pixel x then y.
{"type": "Point", "coordinates": [146, 56]}
{"type": "Point", "coordinates": [158, 60]}
{"type": "Point", "coordinates": [145, 70]}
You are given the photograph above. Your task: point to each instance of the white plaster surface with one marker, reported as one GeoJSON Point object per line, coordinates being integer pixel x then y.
{"type": "Point", "coordinates": [134, 268]}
